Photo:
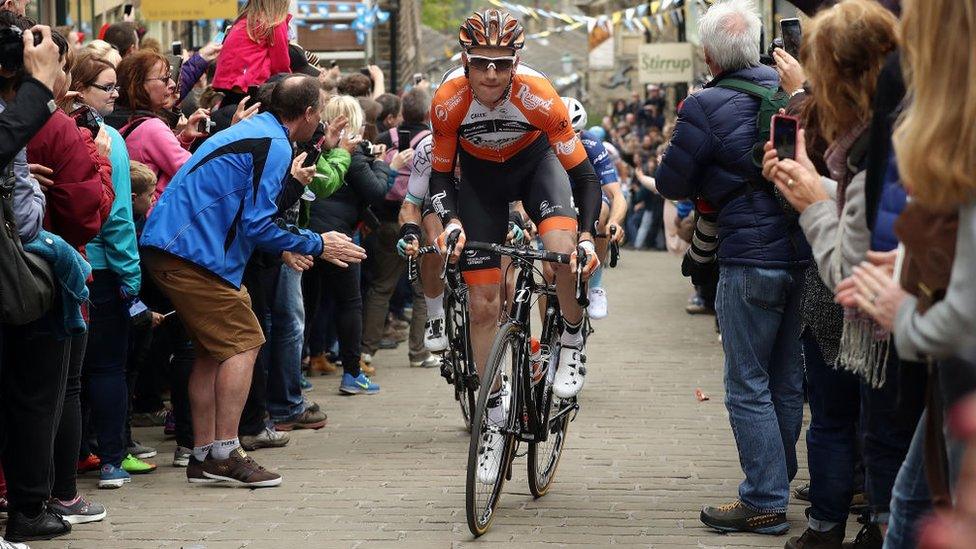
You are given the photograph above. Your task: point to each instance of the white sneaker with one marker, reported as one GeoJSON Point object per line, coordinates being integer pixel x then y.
{"type": "Point", "coordinates": [181, 457]}
{"type": "Point", "coordinates": [571, 373]}
{"type": "Point", "coordinates": [598, 303]}
{"type": "Point", "coordinates": [366, 358]}
{"type": "Point", "coordinates": [429, 362]}
{"type": "Point", "coordinates": [493, 443]}
{"type": "Point", "coordinates": [435, 337]}
{"type": "Point", "coordinates": [4, 544]}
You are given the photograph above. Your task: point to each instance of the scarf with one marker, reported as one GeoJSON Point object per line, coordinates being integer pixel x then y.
{"type": "Point", "coordinates": [863, 343]}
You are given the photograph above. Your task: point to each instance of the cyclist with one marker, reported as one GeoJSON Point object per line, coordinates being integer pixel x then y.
{"type": "Point", "coordinates": [614, 207]}
{"type": "Point", "coordinates": [514, 140]}
{"type": "Point", "coordinates": [417, 210]}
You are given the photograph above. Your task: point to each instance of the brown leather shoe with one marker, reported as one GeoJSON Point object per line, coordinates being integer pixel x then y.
{"type": "Point", "coordinates": [366, 369]}
{"type": "Point", "coordinates": [194, 472]}
{"type": "Point", "coordinates": [309, 419]}
{"type": "Point", "coordinates": [241, 469]}
{"type": "Point", "coordinates": [321, 365]}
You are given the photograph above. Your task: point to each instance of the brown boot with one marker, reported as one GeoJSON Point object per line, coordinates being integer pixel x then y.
{"type": "Point", "coordinates": [322, 366]}
{"type": "Point", "coordinates": [366, 368]}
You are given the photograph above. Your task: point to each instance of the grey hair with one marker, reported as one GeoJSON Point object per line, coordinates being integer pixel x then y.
{"type": "Point", "coordinates": [729, 34]}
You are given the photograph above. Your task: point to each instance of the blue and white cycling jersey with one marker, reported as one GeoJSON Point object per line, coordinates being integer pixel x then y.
{"type": "Point", "coordinates": [600, 158]}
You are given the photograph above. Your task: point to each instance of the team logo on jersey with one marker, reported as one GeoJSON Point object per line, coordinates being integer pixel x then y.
{"type": "Point", "coordinates": [441, 159]}
{"type": "Point", "coordinates": [532, 101]}
{"type": "Point", "coordinates": [437, 201]}
{"type": "Point", "coordinates": [566, 148]}
{"type": "Point", "coordinates": [442, 110]}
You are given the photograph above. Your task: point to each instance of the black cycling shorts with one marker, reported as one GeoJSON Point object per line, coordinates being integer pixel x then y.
{"type": "Point", "coordinates": [535, 176]}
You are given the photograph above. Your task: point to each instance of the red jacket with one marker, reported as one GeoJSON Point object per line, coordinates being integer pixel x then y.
{"type": "Point", "coordinates": [81, 197]}
{"type": "Point", "coordinates": [244, 62]}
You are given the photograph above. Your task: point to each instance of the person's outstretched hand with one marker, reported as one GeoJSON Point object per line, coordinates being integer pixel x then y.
{"type": "Point", "coordinates": [338, 249]}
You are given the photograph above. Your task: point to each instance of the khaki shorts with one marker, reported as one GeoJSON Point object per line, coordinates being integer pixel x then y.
{"type": "Point", "coordinates": [217, 316]}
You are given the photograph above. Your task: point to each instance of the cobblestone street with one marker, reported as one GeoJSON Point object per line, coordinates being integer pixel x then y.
{"type": "Point", "coordinates": [388, 470]}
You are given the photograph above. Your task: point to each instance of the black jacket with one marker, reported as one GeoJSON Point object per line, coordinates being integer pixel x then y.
{"type": "Point", "coordinates": [367, 182]}
{"type": "Point", "coordinates": [23, 118]}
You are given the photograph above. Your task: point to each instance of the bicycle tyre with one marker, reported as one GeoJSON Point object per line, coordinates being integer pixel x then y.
{"type": "Point", "coordinates": [543, 457]}
{"type": "Point", "coordinates": [480, 515]}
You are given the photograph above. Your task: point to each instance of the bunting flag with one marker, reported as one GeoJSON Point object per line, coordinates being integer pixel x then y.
{"type": "Point", "coordinates": [312, 13]}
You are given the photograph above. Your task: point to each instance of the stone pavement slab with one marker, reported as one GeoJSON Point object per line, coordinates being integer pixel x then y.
{"type": "Point", "coordinates": [642, 456]}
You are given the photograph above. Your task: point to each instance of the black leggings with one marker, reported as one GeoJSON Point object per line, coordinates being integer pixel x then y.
{"type": "Point", "coordinates": [68, 439]}
{"type": "Point", "coordinates": [342, 283]}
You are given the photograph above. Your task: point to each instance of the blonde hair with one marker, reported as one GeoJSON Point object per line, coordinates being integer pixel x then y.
{"type": "Point", "coordinates": [104, 51]}
{"type": "Point", "coordinates": [935, 142]}
{"type": "Point", "coordinates": [262, 17]}
{"type": "Point", "coordinates": [142, 177]}
{"type": "Point", "coordinates": [345, 105]}
{"type": "Point", "coordinates": [844, 48]}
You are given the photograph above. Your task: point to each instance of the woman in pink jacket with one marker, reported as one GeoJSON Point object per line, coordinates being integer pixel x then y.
{"type": "Point", "coordinates": [144, 116]}
{"type": "Point", "coordinates": [256, 47]}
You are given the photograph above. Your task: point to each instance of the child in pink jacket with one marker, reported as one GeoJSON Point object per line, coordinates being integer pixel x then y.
{"type": "Point", "coordinates": [255, 48]}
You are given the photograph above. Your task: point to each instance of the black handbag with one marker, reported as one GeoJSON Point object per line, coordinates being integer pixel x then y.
{"type": "Point", "coordinates": [26, 280]}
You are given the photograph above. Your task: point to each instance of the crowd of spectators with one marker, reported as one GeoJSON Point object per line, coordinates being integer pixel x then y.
{"type": "Point", "coordinates": [190, 249]}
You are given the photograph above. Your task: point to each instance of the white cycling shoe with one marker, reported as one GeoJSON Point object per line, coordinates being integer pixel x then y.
{"type": "Point", "coordinates": [598, 303]}
{"type": "Point", "coordinates": [571, 373]}
{"type": "Point", "coordinates": [435, 334]}
{"type": "Point", "coordinates": [493, 443]}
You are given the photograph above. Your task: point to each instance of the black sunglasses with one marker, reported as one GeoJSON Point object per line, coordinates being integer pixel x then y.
{"type": "Point", "coordinates": [483, 63]}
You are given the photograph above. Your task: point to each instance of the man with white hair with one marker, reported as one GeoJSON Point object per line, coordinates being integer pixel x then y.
{"type": "Point", "coordinates": [762, 254]}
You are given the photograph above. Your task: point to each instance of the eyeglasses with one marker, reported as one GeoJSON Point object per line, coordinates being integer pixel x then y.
{"type": "Point", "coordinates": [500, 64]}
{"type": "Point", "coordinates": [107, 88]}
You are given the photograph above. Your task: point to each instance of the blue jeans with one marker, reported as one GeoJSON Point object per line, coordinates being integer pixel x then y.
{"type": "Point", "coordinates": [288, 326]}
{"type": "Point", "coordinates": [103, 372]}
{"type": "Point", "coordinates": [759, 314]}
{"type": "Point", "coordinates": [832, 436]}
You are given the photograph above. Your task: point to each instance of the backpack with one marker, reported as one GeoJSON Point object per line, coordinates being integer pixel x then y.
{"type": "Point", "coordinates": [771, 100]}
{"type": "Point", "coordinates": [399, 189]}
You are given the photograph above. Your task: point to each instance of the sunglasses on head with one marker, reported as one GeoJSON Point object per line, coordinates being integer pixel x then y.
{"type": "Point", "coordinates": [483, 63]}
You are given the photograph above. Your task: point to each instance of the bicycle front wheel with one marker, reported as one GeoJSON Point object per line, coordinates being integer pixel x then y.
{"type": "Point", "coordinates": [489, 454]}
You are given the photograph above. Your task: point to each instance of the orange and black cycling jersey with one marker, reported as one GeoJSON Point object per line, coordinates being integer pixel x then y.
{"type": "Point", "coordinates": [531, 109]}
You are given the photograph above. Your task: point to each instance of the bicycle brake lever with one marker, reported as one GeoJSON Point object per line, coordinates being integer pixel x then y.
{"type": "Point", "coordinates": [581, 260]}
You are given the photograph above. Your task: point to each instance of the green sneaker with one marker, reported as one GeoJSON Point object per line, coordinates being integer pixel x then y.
{"type": "Point", "coordinates": [135, 466]}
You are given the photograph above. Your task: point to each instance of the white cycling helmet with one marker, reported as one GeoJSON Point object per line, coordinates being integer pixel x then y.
{"type": "Point", "coordinates": [577, 114]}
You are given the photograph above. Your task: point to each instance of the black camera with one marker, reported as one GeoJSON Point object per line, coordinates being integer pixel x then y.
{"type": "Point", "coordinates": [12, 48]}
{"type": "Point", "coordinates": [767, 58]}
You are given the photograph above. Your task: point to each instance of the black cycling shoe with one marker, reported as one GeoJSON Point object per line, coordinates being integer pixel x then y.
{"type": "Point", "coordinates": [46, 525]}
{"type": "Point", "coordinates": [812, 539]}
{"type": "Point", "coordinates": [737, 517]}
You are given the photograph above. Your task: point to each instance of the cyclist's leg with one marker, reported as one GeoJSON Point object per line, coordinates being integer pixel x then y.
{"type": "Point", "coordinates": [431, 265]}
{"type": "Point", "coordinates": [547, 198]}
{"type": "Point", "coordinates": [483, 210]}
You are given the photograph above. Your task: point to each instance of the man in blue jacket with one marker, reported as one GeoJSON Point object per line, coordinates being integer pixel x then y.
{"type": "Point", "coordinates": [761, 255]}
{"type": "Point", "coordinates": [218, 208]}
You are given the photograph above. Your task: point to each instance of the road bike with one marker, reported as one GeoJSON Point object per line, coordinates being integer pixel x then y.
{"type": "Point", "coordinates": [457, 362]}
{"type": "Point", "coordinates": [535, 416]}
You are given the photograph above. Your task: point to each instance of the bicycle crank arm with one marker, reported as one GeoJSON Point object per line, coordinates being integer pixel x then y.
{"type": "Point", "coordinates": [571, 408]}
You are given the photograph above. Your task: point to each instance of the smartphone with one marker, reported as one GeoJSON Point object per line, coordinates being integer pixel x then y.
{"type": "Point", "coordinates": [784, 130]}
{"type": "Point", "coordinates": [252, 92]}
{"type": "Point", "coordinates": [219, 38]}
{"type": "Point", "coordinates": [127, 9]}
{"type": "Point", "coordinates": [206, 126]}
{"type": "Point", "coordinates": [403, 140]}
{"type": "Point", "coordinates": [177, 47]}
{"type": "Point", "coordinates": [85, 118]}
{"type": "Point", "coordinates": [792, 34]}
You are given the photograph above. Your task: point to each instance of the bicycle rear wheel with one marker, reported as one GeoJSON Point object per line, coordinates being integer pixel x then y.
{"type": "Point", "coordinates": [543, 457]}
{"type": "Point", "coordinates": [484, 483]}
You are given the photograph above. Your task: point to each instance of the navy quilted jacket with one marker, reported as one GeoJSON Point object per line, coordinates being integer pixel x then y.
{"type": "Point", "coordinates": [892, 202]}
{"type": "Point", "coordinates": [710, 156]}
